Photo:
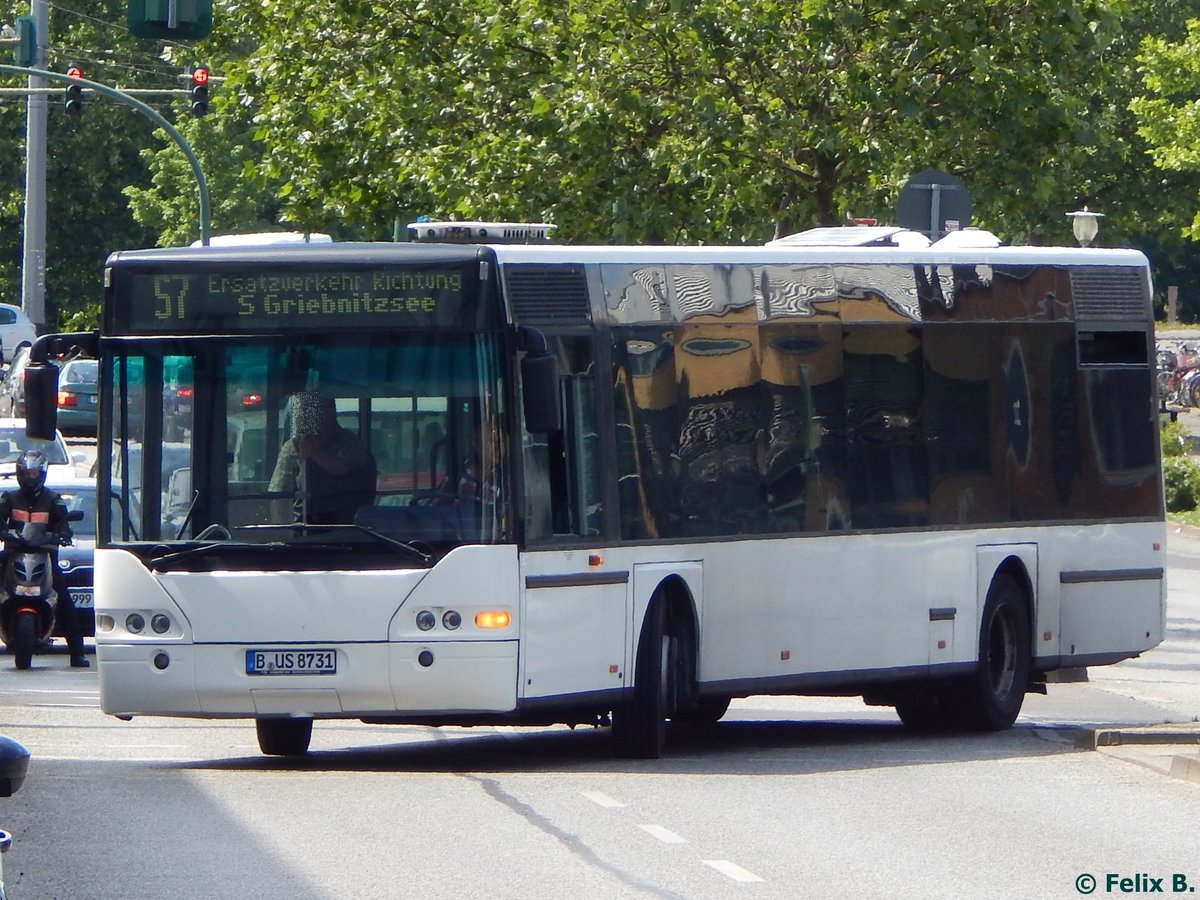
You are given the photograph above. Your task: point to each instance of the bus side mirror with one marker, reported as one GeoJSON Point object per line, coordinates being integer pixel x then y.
{"type": "Point", "coordinates": [539, 384]}
{"type": "Point", "coordinates": [41, 400]}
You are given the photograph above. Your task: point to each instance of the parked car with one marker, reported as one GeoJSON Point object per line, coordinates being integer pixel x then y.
{"type": "Point", "coordinates": [77, 395]}
{"type": "Point", "coordinates": [76, 560]}
{"type": "Point", "coordinates": [16, 330]}
{"type": "Point", "coordinates": [12, 388]}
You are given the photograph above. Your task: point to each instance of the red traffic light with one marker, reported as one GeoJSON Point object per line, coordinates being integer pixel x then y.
{"type": "Point", "coordinates": [75, 72]}
{"type": "Point", "coordinates": [200, 76]}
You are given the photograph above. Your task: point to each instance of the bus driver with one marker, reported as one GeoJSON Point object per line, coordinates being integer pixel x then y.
{"type": "Point", "coordinates": [328, 468]}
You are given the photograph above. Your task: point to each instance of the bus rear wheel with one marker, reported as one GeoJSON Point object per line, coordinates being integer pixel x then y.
{"type": "Point", "coordinates": [284, 737]}
{"type": "Point", "coordinates": [928, 713]}
{"type": "Point", "coordinates": [995, 692]}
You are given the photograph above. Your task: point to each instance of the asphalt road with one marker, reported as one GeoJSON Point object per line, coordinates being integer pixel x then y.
{"type": "Point", "coordinates": [786, 798]}
{"type": "Point", "coordinates": [803, 797]}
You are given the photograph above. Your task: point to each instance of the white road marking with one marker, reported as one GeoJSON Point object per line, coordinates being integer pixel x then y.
{"type": "Point", "coordinates": [731, 870]}
{"type": "Point", "coordinates": [603, 800]}
{"type": "Point", "coordinates": [663, 834]}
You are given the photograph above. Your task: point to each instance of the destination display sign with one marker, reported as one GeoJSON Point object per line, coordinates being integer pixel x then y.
{"type": "Point", "coordinates": [243, 302]}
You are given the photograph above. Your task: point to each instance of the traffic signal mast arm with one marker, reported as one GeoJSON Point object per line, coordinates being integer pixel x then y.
{"type": "Point", "coordinates": [153, 115]}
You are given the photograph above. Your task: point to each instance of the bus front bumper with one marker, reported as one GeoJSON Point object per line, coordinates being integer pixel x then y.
{"type": "Point", "coordinates": [216, 680]}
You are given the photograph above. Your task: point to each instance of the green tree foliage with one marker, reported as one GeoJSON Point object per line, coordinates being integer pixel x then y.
{"type": "Point", "coordinates": [242, 197]}
{"type": "Point", "coordinates": [713, 120]}
{"type": "Point", "coordinates": [1181, 481]}
{"type": "Point", "coordinates": [1181, 472]}
{"type": "Point", "coordinates": [88, 160]}
{"type": "Point", "coordinates": [716, 120]}
{"type": "Point", "coordinates": [1167, 112]}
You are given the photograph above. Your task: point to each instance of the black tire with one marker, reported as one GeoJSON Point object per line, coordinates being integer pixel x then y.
{"type": "Point", "coordinates": [928, 713]}
{"type": "Point", "coordinates": [24, 640]}
{"type": "Point", "coordinates": [640, 727]}
{"type": "Point", "coordinates": [284, 737]}
{"type": "Point", "coordinates": [994, 693]}
{"type": "Point", "coordinates": [706, 713]}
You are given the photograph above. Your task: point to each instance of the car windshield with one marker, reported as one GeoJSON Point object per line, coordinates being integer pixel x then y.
{"type": "Point", "coordinates": [85, 372]}
{"type": "Point", "coordinates": [14, 442]}
{"type": "Point", "coordinates": [83, 499]}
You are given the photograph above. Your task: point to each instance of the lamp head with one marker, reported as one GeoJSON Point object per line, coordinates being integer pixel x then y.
{"type": "Point", "coordinates": [1085, 224]}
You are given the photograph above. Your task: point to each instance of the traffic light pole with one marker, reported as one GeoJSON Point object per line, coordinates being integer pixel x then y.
{"type": "Point", "coordinates": [154, 116]}
{"type": "Point", "coordinates": [33, 264]}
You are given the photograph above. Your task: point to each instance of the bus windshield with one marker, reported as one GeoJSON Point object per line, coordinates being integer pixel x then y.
{"type": "Point", "coordinates": [375, 440]}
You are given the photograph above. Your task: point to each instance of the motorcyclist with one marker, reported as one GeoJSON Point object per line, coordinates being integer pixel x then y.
{"type": "Point", "coordinates": [30, 502]}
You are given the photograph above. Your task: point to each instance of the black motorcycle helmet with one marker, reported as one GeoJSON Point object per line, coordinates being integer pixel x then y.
{"type": "Point", "coordinates": [31, 472]}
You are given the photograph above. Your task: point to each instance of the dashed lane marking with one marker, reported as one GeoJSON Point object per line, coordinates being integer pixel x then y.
{"type": "Point", "coordinates": [663, 834]}
{"type": "Point", "coordinates": [603, 800]}
{"type": "Point", "coordinates": [731, 870]}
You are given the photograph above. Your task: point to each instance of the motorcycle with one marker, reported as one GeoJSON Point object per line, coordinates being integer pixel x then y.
{"type": "Point", "coordinates": [28, 601]}
{"type": "Point", "coordinates": [14, 762]}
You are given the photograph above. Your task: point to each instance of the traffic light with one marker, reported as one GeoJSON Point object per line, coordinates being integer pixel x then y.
{"type": "Point", "coordinates": [170, 20]}
{"type": "Point", "coordinates": [73, 96]}
{"type": "Point", "coordinates": [199, 91]}
{"type": "Point", "coordinates": [25, 52]}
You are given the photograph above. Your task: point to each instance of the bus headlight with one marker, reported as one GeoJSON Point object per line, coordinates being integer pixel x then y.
{"type": "Point", "coordinates": [135, 623]}
{"type": "Point", "coordinates": [160, 623]}
{"type": "Point", "coordinates": [451, 620]}
{"type": "Point", "coordinates": [426, 620]}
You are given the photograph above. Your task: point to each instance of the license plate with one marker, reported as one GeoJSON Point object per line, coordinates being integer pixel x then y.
{"type": "Point", "coordinates": [291, 662]}
{"type": "Point", "coordinates": [82, 598]}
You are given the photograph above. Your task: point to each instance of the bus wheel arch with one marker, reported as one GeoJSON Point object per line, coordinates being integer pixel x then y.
{"type": "Point", "coordinates": [664, 668]}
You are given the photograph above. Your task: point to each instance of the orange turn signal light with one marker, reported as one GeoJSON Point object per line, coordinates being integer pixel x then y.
{"type": "Point", "coordinates": [493, 618]}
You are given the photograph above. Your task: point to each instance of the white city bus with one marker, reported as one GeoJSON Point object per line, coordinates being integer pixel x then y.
{"type": "Point", "coordinates": [619, 484]}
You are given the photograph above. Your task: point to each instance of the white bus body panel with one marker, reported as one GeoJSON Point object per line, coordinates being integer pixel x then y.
{"type": "Point", "coordinates": [831, 606]}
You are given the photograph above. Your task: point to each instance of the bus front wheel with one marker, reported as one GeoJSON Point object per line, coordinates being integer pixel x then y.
{"type": "Point", "coordinates": [284, 737]}
{"type": "Point", "coordinates": [640, 727]}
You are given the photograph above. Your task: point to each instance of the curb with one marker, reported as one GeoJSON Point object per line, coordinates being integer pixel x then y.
{"type": "Point", "coordinates": [1185, 768]}
{"type": "Point", "coordinates": [1184, 735]}
{"type": "Point", "coordinates": [1095, 738]}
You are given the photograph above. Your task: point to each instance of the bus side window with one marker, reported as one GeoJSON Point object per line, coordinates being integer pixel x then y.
{"type": "Point", "coordinates": [563, 484]}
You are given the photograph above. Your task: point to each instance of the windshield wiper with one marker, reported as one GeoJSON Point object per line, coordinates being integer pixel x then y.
{"type": "Point", "coordinates": [186, 552]}
{"type": "Point", "coordinates": [304, 528]}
